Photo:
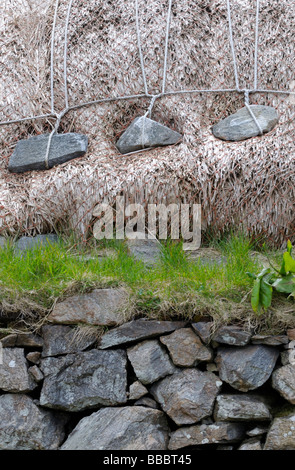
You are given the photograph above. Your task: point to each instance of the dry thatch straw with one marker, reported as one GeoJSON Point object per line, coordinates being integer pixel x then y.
{"type": "Point", "coordinates": [250, 182]}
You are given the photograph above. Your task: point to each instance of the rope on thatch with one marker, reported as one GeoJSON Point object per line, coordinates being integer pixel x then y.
{"type": "Point", "coordinates": [254, 178]}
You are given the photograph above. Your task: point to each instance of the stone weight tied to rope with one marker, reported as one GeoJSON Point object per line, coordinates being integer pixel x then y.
{"type": "Point", "coordinates": [29, 154]}
{"type": "Point", "coordinates": [241, 125]}
{"type": "Point", "coordinates": [146, 133]}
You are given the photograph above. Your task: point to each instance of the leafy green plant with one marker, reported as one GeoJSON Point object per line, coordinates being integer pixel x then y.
{"type": "Point", "coordinates": [269, 279]}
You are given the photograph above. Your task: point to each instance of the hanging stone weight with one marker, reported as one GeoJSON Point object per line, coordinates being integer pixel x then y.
{"type": "Point", "coordinates": [30, 154]}
{"type": "Point", "coordinates": [145, 133]}
{"type": "Point", "coordinates": [241, 125]}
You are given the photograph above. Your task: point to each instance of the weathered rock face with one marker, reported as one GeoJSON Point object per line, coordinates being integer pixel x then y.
{"type": "Point", "coordinates": [127, 428]}
{"type": "Point", "coordinates": [206, 434]}
{"type": "Point", "coordinates": [281, 435]}
{"type": "Point", "coordinates": [138, 330]}
{"type": "Point", "coordinates": [241, 408]}
{"type": "Point", "coordinates": [232, 335]}
{"type": "Point", "coordinates": [25, 426]}
{"type": "Point", "coordinates": [84, 380]}
{"type": "Point", "coordinates": [248, 367]}
{"type": "Point", "coordinates": [185, 348]}
{"type": "Point", "coordinates": [283, 380]}
{"type": "Point", "coordinates": [14, 376]}
{"type": "Point", "coordinates": [24, 244]}
{"type": "Point", "coordinates": [156, 363]}
{"type": "Point", "coordinates": [30, 154]}
{"type": "Point", "coordinates": [240, 125]}
{"type": "Point", "coordinates": [145, 133]}
{"type": "Point", "coordinates": [61, 339]}
{"type": "Point", "coordinates": [188, 395]}
{"type": "Point", "coordinates": [99, 307]}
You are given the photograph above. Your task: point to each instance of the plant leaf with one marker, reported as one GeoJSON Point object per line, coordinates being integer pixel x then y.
{"type": "Point", "coordinates": [289, 262]}
{"type": "Point", "coordinates": [285, 284]}
{"type": "Point", "coordinates": [255, 296]}
{"type": "Point", "coordinates": [289, 247]}
{"type": "Point", "coordinates": [265, 294]}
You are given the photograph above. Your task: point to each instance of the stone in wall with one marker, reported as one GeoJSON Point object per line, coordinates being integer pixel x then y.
{"type": "Point", "coordinates": [283, 380]}
{"type": "Point", "coordinates": [14, 376]}
{"type": "Point", "coordinates": [203, 330]}
{"type": "Point", "coordinates": [26, 426]}
{"type": "Point", "coordinates": [232, 335]}
{"type": "Point", "coordinates": [99, 307]}
{"type": "Point", "coordinates": [246, 368]}
{"type": "Point", "coordinates": [127, 428]}
{"type": "Point", "coordinates": [137, 330]}
{"type": "Point", "coordinates": [281, 435]}
{"type": "Point", "coordinates": [62, 339]}
{"type": "Point", "coordinates": [241, 408]}
{"type": "Point", "coordinates": [188, 395]}
{"type": "Point", "coordinates": [84, 380]}
{"type": "Point", "coordinates": [185, 348]}
{"type": "Point", "coordinates": [217, 433]}
{"type": "Point", "coordinates": [149, 361]}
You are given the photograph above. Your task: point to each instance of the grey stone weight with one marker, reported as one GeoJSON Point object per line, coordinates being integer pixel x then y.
{"type": "Point", "coordinates": [29, 154]}
{"type": "Point", "coordinates": [145, 133]}
{"type": "Point", "coordinates": [241, 125]}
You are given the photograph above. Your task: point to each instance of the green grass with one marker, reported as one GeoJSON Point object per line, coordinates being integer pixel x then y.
{"type": "Point", "coordinates": [175, 286]}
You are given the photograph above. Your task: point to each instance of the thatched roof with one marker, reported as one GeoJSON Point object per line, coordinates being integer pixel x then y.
{"type": "Point", "coordinates": [250, 182]}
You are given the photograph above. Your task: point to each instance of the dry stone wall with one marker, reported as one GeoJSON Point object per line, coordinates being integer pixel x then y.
{"type": "Point", "coordinates": [145, 385]}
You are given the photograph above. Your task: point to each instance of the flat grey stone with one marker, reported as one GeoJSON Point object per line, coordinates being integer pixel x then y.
{"type": "Point", "coordinates": [188, 395]}
{"type": "Point", "coordinates": [248, 367]}
{"type": "Point", "coordinates": [251, 444]}
{"type": "Point", "coordinates": [29, 154]}
{"type": "Point", "coordinates": [145, 133]}
{"type": "Point", "coordinates": [84, 380]}
{"type": "Point", "coordinates": [137, 390]}
{"type": "Point", "coordinates": [99, 307]}
{"type": "Point", "coordinates": [258, 431]}
{"type": "Point", "coordinates": [185, 348]}
{"type": "Point", "coordinates": [145, 250]}
{"type": "Point", "coordinates": [283, 380]}
{"type": "Point", "coordinates": [204, 330]}
{"type": "Point", "coordinates": [233, 335]}
{"type": "Point", "coordinates": [29, 243]}
{"type": "Point", "coordinates": [241, 408]}
{"type": "Point", "coordinates": [150, 361]}
{"type": "Point", "coordinates": [26, 426]}
{"type": "Point", "coordinates": [62, 339]}
{"type": "Point", "coordinates": [138, 330]}
{"type": "Point", "coordinates": [14, 376]}
{"type": "Point", "coordinates": [241, 125]}
{"type": "Point", "coordinates": [127, 428]}
{"type": "Point", "coordinates": [148, 402]}
{"type": "Point", "coordinates": [217, 433]}
{"type": "Point", "coordinates": [281, 435]}
{"type": "Point", "coordinates": [270, 340]}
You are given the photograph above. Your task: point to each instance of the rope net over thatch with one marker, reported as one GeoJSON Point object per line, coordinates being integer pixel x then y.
{"type": "Point", "coordinates": [249, 183]}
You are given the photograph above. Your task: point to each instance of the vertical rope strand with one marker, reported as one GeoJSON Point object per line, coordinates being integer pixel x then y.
{"type": "Point", "coordinates": [166, 45]}
{"type": "Point", "coordinates": [52, 57]}
{"type": "Point", "coordinates": [66, 53]}
{"type": "Point", "coordinates": [256, 44]}
{"type": "Point", "coordinates": [140, 48]}
{"type": "Point", "coordinates": [231, 40]}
